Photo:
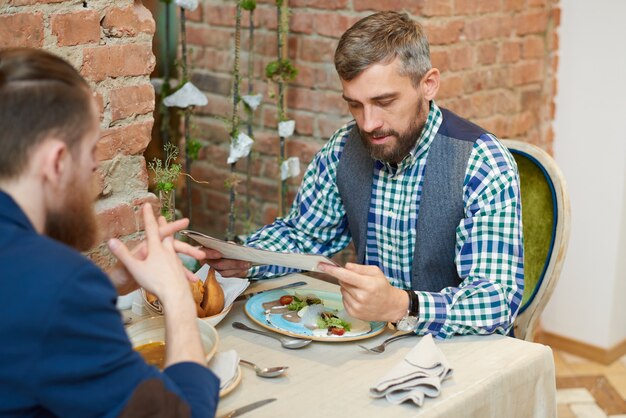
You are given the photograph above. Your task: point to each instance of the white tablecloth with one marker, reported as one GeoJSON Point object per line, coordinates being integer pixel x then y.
{"type": "Point", "coordinates": [494, 376]}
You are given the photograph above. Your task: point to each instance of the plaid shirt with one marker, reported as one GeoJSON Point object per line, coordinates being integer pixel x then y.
{"type": "Point", "coordinates": [489, 251]}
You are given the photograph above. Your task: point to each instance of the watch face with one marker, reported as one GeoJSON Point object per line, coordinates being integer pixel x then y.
{"type": "Point", "coordinates": [408, 323]}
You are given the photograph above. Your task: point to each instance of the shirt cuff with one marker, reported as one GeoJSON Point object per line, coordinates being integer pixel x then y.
{"type": "Point", "coordinates": [433, 313]}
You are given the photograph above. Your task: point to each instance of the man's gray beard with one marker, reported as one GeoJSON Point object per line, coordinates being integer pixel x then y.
{"type": "Point", "coordinates": [74, 223]}
{"type": "Point", "coordinates": [404, 144]}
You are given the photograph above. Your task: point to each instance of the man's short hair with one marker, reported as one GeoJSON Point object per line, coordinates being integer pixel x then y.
{"type": "Point", "coordinates": [379, 39]}
{"type": "Point", "coordinates": [41, 95]}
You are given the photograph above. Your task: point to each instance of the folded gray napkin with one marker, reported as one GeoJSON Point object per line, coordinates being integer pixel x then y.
{"type": "Point", "coordinates": [418, 375]}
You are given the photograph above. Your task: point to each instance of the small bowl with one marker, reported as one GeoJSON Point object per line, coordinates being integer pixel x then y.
{"type": "Point", "coordinates": [152, 330]}
{"type": "Point", "coordinates": [212, 320]}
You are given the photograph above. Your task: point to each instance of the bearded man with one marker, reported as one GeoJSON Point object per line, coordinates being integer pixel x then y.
{"type": "Point", "coordinates": [430, 200]}
{"type": "Point", "coordinates": [64, 350]}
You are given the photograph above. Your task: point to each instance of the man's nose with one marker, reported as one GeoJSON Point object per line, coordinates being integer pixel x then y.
{"type": "Point", "coordinates": [371, 119]}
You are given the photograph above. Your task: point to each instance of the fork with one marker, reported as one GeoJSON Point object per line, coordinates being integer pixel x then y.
{"type": "Point", "coordinates": [381, 348]}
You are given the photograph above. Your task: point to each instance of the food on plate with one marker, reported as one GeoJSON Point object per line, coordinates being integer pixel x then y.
{"type": "Point", "coordinates": [153, 353]}
{"type": "Point", "coordinates": [312, 313]}
{"type": "Point", "coordinates": [213, 300]}
{"type": "Point", "coordinates": [208, 296]}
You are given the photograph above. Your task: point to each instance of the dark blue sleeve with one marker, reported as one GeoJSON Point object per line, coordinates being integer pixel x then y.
{"type": "Point", "coordinates": [86, 366]}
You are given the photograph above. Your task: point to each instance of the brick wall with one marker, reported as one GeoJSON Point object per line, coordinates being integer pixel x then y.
{"type": "Point", "coordinates": [497, 57]}
{"type": "Point", "coordinates": [110, 42]}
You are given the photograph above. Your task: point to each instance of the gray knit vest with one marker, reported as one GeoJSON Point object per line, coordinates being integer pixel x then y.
{"type": "Point", "coordinates": [441, 207]}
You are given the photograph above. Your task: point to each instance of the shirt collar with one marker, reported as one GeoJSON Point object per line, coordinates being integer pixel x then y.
{"type": "Point", "coordinates": [11, 212]}
{"type": "Point", "coordinates": [433, 121]}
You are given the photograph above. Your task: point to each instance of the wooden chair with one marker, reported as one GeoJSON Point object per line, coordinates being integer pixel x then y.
{"type": "Point", "coordinates": [546, 224]}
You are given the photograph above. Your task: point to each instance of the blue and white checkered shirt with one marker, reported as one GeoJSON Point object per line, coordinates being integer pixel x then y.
{"type": "Point", "coordinates": [489, 249]}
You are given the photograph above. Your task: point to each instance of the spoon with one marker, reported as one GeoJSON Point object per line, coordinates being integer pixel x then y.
{"type": "Point", "coordinates": [266, 372]}
{"type": "Point", "coordinates": [291, 343]}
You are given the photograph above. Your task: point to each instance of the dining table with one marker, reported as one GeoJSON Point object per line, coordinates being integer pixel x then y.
{"type": "Point", "coordinates": [493, 375]}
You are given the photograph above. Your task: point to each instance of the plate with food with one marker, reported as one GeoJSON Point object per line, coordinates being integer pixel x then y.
{"type": "Point", "coordinates": [308, 313]}
{"type": "Point", "coordinates": [213, 295]}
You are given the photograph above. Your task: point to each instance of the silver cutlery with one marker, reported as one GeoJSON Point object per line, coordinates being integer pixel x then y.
{"type": "Point", "coordinates": [291, 343]}
{"type": "Point", "coordinates": [286, 286]}
{"type": "Point", "coordinates": [267, 371]}
{"type": "Point", "coordinates": [247, 408]}
{"type": "Point", "coordinates": [381, 347]}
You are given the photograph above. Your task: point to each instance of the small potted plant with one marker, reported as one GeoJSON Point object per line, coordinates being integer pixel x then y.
{"type": "Point", "coordinates": [165, 177]}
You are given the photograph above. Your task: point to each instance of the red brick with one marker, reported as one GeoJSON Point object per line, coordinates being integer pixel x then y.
{"type": "Point", "coordinates": [266, 143]}
{"type": "Point", "coordinates": [117, 60]}
{"type": "Point", "coordinates": [445, 33]}
{"type": "Point", "coordinates": [127, 140]}
{"type": "Point", "coordinates": [319, 4]}
{"type": "Point", "coordinates": [131, 20]}
{"type": "Point", "coordinates": [488, 27]}
{"type": "Point", "coordinates": [555, 15]}
{"type": "Point", "coordinates": [317, 50]}
{"type": "Point", "coordinates": [439, 59]}
{"type": "Point", "coordinates": [413, 7]}
{"type": "Point", "coordinates": [531, 22]}
{"type": "Point", "coordinates": [487, 53]}
{"type": "Point", "coordinates": [303, 149]}
{"type": "Point", "coordinates": [220, 38]}
{"type": "Point", "coordinates": [270, 214]}
{"type": "Point", "coordinates": [301, 23]}
{"type": "Point", "coordinates": [21, 29]}
{"type": "Point", "coordinates": [461, 58]}
{"type": "Point", "coordinates": [450, 86]}
{"type": "Point", "coordinates": [519, 124]}
{"type": "Point", "coordinates": [331, 24]}
{"type": "Point", "coordinates": [304, 123]}
{"type": "Point", "coordinates": [75, 28]}
{"type": "Point", "coordinates": [266, 18]}
{"type": "Point", "coordinates": [131, 101]}
{"type": "Point", "coordinates": [514, 5]}
{"type": "Point", "coordinates": [437, 7]}
{"type": "Point", "coordinates": [533, 47]}
{"type": "Point", "coordinates": [222, 14]}
{"type": "Point", "coordinates": [116, 221]}
{"type": "Point", "coordinates": [470, 7]}
{"type": "Point", "coordinates": [528, 72]}
{"type": "Point", "coordinates": [533, 3]}
{"type": "Point", "coordinates": [195, 15]}
{"type": "Point", "coordinates": [511, 51]}
{"type": "Point", "coordinates": [326, 125]}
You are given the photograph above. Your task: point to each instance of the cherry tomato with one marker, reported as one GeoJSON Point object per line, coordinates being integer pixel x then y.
{"type": "Point", "coordinates": [336, 331]}
{"type": "Point", "coordinates": [285, 300]}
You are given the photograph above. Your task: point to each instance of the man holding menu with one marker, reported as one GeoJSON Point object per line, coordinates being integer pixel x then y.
{"type": "Point", "coordinates": [430, 200]}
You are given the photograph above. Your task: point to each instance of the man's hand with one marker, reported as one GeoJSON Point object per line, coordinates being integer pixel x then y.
{"type": "Point", "coordinates": [121, 277]}
{"type": "Point", "coordinates": [367, 294]}
{"type": "Point", "coordinates": [155, 266]}
{"type": "Point", "coordinates": [226, 266]}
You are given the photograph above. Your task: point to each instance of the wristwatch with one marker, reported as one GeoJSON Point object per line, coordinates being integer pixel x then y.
{"type": "Point", "coordinates": [409, 321]}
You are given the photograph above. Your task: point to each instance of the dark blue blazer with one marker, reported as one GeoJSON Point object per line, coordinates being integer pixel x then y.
{"type": "Point", "coordinates": [63, 348]}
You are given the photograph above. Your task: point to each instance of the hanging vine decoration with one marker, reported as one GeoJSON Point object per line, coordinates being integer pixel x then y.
{"type": "Point", "coordinates": [281, 72]}
{"type": "Point", "coordinates": [233, 181]}
{"type": "Point", "coordinates": [250, 104]}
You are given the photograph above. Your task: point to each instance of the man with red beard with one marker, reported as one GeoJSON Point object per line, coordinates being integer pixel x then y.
{"type": "Point", "coordinates": [64, 350]}
{"type": "Point", "coordinates": [430, 200]}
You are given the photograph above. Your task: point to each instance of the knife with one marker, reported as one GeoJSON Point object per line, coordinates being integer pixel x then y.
{"type": "Point", "coordinates": [242, 410]}
{"type": "Point", "coordinates": [286, 286]}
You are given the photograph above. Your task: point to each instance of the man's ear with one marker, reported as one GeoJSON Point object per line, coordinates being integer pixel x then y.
{"type": "Point", "coordinates": [54, 160]}
{"type": "Point", "coordinates": [430, 84]}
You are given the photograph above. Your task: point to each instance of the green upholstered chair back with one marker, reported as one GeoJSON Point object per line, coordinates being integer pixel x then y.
{"type": "Point", "coordinates": [545, 219]}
